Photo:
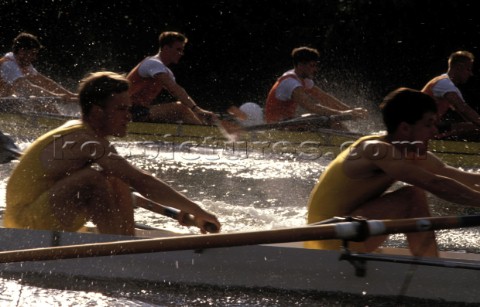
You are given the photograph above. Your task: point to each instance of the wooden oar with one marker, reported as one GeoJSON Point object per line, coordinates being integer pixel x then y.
{"type": "Point", "coordinates": [232, 131]}
{"type": "Point", "coordinates": [313, 120]}
{"type": "Point", "coordinates": [345, 230]}
{"type": "Point", "coordinates": [229, 129]}
{"type": "Point", "coordinates": [25, 105]}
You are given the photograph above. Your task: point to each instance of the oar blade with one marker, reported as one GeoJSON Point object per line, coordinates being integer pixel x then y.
{"type": "Point", "coordinates": [8, 150]}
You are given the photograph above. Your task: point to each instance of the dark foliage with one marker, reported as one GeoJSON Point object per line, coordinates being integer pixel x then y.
{"type": "Point", "coordinates": [238, 48]}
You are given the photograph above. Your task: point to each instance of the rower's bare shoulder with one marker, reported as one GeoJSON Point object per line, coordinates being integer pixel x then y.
{"type": "Point", "coordinates": [373, 149]}
{"type": "Point", "coordinates": [361, 161]}
{"type": "Point", "coordinates": [432, 162]}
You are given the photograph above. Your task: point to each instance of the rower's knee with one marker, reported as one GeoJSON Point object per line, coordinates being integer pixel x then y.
{"type": "Point", "coordinates": [413, 194]}
{"type": "Point", "coordinates": [96, 182]}
{"type": "Point", "coordinates": [82, 183]}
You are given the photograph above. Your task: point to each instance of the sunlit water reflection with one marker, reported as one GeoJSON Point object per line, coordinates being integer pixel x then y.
{"type": "Point", "coordinates": [247, 192]}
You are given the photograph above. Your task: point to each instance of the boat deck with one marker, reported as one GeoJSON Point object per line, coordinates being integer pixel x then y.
{"type": "Point", "coordinates": [277, 266]}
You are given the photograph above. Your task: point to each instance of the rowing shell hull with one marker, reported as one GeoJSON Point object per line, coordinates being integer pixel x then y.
{"type": "Point", "coordinates": [282, 267]}
{"type": "Point", "coordinates": [309, 145]}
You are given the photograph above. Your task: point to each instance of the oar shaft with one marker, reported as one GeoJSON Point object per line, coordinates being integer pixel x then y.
{"type": "Point", "coordinates": [343, 230]}
{"type": "Point", "coordinates": [422, 224]}
{"type": "Point", "coordinates": [169, 244]}
{"type": "Point", "coordinates": [409, 260]}
{"type": "Point", "coordinates": [308, 120]}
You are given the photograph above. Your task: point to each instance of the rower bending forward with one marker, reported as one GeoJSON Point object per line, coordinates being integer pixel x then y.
{"type": "Point", "coordinates": [73, 174]}
{"type": "Point", "coordinates": [358, 181]}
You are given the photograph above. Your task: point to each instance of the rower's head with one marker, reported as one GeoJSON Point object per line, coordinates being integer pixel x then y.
{"type": "Point", "coordinates": [305, 60]}
{"type": "Point", "coordinates": [105, 102]}
{"type": "Point", "coordinates": [25, 47]}
{"type": "Point", "coordinates": [460, 66]}
{"type": "Point", "coordinates": [172, 46]}
{"type": "Point", "coordinates": [405, 105]}
{"type": "Point", "coordinates": [409, 115]}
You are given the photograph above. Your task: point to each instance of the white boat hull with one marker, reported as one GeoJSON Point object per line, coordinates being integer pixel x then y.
{"type": "Point", "coordinates": [283, 267]}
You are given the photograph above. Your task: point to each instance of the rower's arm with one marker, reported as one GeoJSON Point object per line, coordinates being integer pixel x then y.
{"type": "Point", "coordinates": [429, 179]}
{"type": "Point", "coordinates": [463, 108]}
{"type": "Point", "coordinates": [176, 90]}
{"type": "Point", "coordinates": [181, 94]}
{"type": "Point", "coordinates": [50, 85]}
{"type": "Point", "coordinates": [153, 188]}
{"type": "Point", "coordinates": [311, 104]}
{"type": "Point", "coordinates": [471, 179]}
{"type": "Point", "coordinates": [327, 99]}
{"type": "Point", "coordinates": [25, 87]}
{"type": "Point", "coordinates": [147, 185]}
{"type": "Point", "coordinates": [317, 106]}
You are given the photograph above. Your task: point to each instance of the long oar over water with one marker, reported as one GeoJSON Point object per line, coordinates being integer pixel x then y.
{"type": "Point", "coordinates": [232, 130]}
{"type": "Point", "coordinates": [306, 120]}
{"type": "Point", "coordinates": [355, 230]}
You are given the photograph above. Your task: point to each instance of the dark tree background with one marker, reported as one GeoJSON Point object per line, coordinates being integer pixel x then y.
{"type": "Point", "coordinates": [237, 49]}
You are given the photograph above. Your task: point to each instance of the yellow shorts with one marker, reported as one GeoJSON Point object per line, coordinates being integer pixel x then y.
{"type": "Point", "coordinates": [39, 215]}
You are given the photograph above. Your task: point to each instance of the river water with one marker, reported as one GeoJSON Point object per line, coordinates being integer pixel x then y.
{"type": "Point", "coordinates": [248, 191]}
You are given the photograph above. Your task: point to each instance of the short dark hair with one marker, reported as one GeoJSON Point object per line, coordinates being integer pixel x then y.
{"type": "Point", "coordinates": [459, 57]}
{"type": "Point", "coordinates": [98, 87]}
{"type": "Point", "coordinates": [169, 37]}
{"type": "Point", "coordinates": [405, 105]}
{"type": "Point", "coordinates": [25, 41]}
{"type": "Point", "coordinates": [304, 55]}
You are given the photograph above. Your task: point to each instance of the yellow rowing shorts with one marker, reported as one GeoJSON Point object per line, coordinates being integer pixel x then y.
{"type": "Point", "coordinates": [39, 215]}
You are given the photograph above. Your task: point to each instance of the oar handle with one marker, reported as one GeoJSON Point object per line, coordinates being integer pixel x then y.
{"type": "Point", "coordinates": [187, 219]}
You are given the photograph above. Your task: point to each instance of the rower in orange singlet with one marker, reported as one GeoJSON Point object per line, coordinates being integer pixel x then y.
{"type": "Point", "coordinates": [152, 76]}
{"type": "Point", "coordinates": [295, 89]}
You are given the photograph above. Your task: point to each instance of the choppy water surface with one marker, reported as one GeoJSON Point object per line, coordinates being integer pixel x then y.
{"type": "Point", "coordinates": [247, 192]}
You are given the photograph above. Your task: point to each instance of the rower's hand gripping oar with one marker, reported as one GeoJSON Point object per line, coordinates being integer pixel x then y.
{"type": "Point", "coordinates": [181, 217]}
